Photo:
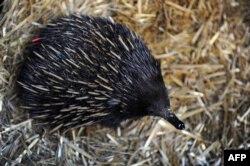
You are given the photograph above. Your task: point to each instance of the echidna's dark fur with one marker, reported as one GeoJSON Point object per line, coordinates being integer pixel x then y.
{"type": "Point", "coordinates": [83, 70]}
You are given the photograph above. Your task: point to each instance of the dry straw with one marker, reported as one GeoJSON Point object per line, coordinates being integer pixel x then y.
{"type": "Point", "coordinates": [204, 52]}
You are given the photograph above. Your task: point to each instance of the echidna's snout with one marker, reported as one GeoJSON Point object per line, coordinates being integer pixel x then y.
{"type": "Point", "coordinates": [172, 118]}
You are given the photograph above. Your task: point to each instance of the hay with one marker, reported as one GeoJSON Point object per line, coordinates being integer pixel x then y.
{"type": "Point", "coordinates": [204, 52]}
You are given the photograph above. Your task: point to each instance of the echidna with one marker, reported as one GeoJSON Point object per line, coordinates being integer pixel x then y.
{"type": "Point", "coordinates": [81, 70]}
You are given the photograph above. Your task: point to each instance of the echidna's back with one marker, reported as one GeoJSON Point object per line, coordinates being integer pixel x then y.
{"type": "Point", "coordinates": [82, 69]}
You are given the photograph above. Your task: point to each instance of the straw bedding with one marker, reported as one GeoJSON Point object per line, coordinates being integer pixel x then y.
{"type": "Point", "coordinates": [204, 50]}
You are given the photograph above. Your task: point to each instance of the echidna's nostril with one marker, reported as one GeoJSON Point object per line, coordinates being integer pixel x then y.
{"type": "Point", "coordinates": [181, 126]}
{"type": "Point", "coordinates": [174, 120]}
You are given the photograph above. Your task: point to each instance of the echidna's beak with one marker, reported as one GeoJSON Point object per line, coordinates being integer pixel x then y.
{"type": "Point", "coordinates": [172, 118]}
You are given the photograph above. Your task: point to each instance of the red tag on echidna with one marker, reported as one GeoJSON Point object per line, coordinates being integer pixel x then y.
{"type": "Point", "coordinates": [35, 40]}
